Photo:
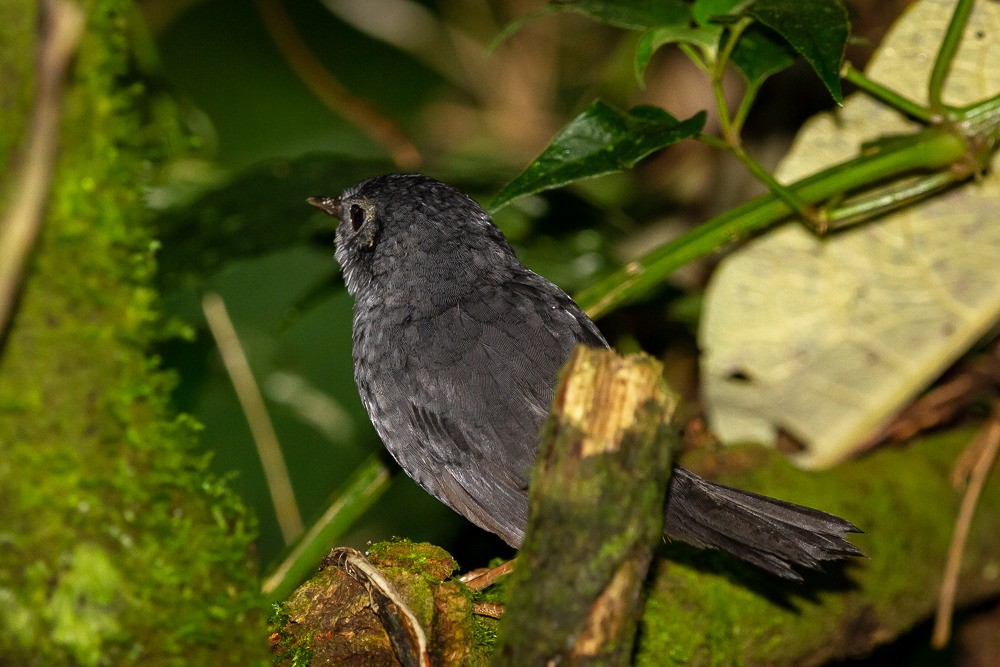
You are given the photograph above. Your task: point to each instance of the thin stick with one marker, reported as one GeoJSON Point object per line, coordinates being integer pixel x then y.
{"type": "Point", "coordinates": [329, 90]}
{"type": "Point", "coordinates": [987, 441]}
{"type": "Point", "coordinates": [491, 609]}
{"type": "Point", "coordinates": [19, 228]}
{"type": "Point", "coordinates": [481, 579]}
{"type": "Point", "coordinates": [279, 484]}
{"type": "Point", "coordinates": [946, 55]}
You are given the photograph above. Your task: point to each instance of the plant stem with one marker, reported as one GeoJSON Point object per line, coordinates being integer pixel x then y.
{"type": "Point", "coordinates": [731, 127]}
{"type": "Point", "coordinates": [887, 96]}
{"type": "Point", "coordinates": [806, 214]}
{"type": "Point", "coordinates": [730, 132]}
{"type": "Point", "coordinates": [695, 58]}
{"type": "Point", "coordinates": [930, 150]}
{"type": "Point", "coordinates": [945, 55]}
{"type": "Point", "coordinates": [749, 96]}
{"type": "Point", "coordinates": [368, 481]}
{"type": "Point", "coordinates": [881, 203]}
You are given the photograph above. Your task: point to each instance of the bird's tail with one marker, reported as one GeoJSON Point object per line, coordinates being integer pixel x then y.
{"type": "Point", "coordinates": [770, 533]}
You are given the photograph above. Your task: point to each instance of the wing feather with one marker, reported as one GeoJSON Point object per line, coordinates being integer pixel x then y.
{"type": "Point", "coordinates": [479, 398]}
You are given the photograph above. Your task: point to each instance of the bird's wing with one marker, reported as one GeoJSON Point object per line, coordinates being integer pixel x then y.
{"type": "Point", "coordinates": [479, 398]}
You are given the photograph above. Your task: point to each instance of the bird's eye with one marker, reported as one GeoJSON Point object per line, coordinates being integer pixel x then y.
{"type": "Point", "coordinates": [357, 216]}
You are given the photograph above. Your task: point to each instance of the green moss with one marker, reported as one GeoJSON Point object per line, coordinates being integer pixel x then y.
{"type": "Point", "coordinates": [432, 562]}
{"type": "Point", "coordinates": [17, 59]}
{"type": "Point", "coordinates": [419, 572]}
{"type": "Point", "coordinates": [330, 620]}
{"type": "Point", "coordinates": [119, 545]}
{"type": "Point", "coordinates": [485, 631]}
{"type": "Point", "coordinates": [81, 610]}
{"type": "Point", "coordinates": [707, 609]}
{"type": "Point", "coordinates": [288, 648]}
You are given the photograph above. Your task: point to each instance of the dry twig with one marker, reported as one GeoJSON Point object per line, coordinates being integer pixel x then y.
{"type": "Point", "coordinates": [63, 23]}
{"type": "Point", "coordinates": [985, 446]}
{"type": "Point", "coordinates": [265, 439]}
{"type": "Point", "coordinates": [329, 90]}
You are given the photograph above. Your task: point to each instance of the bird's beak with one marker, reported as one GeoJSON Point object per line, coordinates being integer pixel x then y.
{"type": "Point", "coordinates": [329, 205]}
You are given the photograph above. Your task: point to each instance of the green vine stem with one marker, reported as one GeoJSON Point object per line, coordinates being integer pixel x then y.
{"type": "Point", "coordinates": [881, 203]}
{"type": "Point", "coordinates": [930, 150]}
{"type": "Point", "coordinates": [980, 115]}
{"type": "Point", "coordinates": [749, 97]}
{"type": "Point", "coordinates": [946, 54]}
{"type": "Point", "coordinates": [695, 58]}
{"type": "Point", "coordinates": [364, 487]}
{"type": "Point", "coordinates": [731, 128]}
{"type": "Point", "coordinates": [887, 96]}
{"type": "Point", "coordinates": [806, 213]}
{"type": "Point", "coordinates": [730, 131]}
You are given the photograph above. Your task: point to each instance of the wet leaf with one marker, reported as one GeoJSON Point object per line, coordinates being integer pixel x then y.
{"type": "Point", "coordinates": [599, 141]}
{"type": "Point", "coordinates": [817, 29]}
{"type": "Point", "coordinates": [760, 53]}
{"type": "Point", "coordinates": [631, 14]}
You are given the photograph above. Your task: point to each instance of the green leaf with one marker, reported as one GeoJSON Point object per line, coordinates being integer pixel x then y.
{"type": "Point", "coordinates": [705, 38]}
{"type": "Point", "coordinates": [817, 29]}
{"type": "Point", "coordinates": [707, 12]}
{"type": "Point", "coordinates": [759, 53]}
{"type": "Point", "coordinates": [630, 14]}
{"type": "Point", "coordinates": [599, 141]}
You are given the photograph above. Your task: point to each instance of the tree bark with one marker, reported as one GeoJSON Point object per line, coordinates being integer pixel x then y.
{"type": "Point", "coordinates": [596, 514]}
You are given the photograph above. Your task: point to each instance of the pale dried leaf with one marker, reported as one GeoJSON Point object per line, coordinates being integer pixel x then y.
{"type": "Point", "coordinates": [826, 339]}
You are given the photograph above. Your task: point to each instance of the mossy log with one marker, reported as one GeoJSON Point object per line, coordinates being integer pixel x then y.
{"type": "Point", "coordinates": [331, 620]}
{"type": "Point", "coordinates": [119, 546]}
{"type": "Point", "coordinates": [708, 608]}
{"type": "Point", "coordinates": [597, 500]}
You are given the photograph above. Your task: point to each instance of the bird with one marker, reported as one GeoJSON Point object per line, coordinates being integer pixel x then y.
{"type": "Point", "coordinates": [457, 348]}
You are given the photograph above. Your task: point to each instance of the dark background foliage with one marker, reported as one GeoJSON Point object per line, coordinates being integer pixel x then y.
{"type": "Point", "coordinates": [233, 219]}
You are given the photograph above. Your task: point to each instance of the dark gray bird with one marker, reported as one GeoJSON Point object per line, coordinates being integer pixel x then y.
{"type": "Point", "coordinates": [457, 348]}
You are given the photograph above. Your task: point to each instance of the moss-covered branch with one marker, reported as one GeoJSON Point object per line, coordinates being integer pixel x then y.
{"type": "Point", "coordinates": [597, 503]}
{"type": "Point", "coordinates": [331, 620]}
{"type": "Point", "coordinates": [706, 608]}
{"type": "Point", "coordinates": [709, 608]}
{"type": "Point", "coordinates": [118, 545]}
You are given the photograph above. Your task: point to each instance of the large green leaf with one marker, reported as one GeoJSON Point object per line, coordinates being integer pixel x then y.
{"type": "Point", "coordinates": [599, 141]}
{"type": "Point", "coordinates": [631, 14]}
{"type": "Point", "coordinates": [817, 29]}
{"type": "Point", "coordinates": [759, 53]}
{"type": "Point", "coordinates": [705, 38]}
{"type": "Point", "coordinates": [709, 12]}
